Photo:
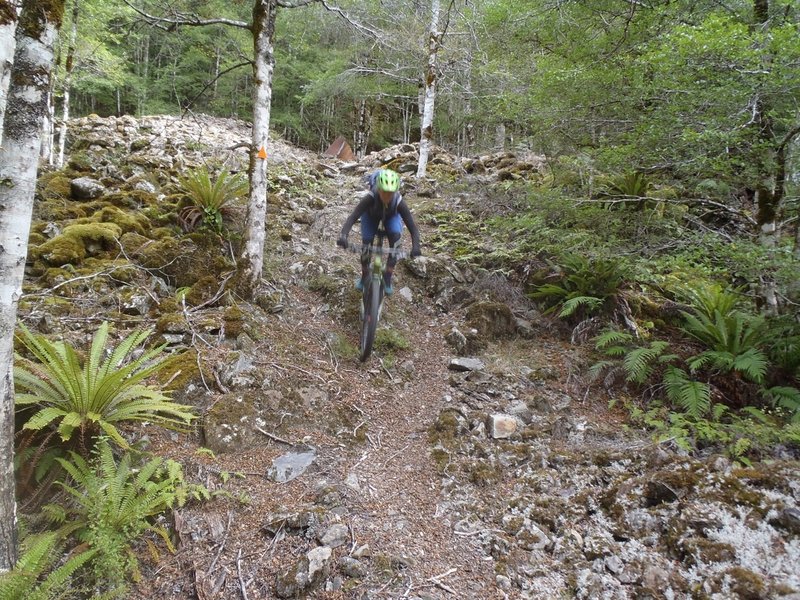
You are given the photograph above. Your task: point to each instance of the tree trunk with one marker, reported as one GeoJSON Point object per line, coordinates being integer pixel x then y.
{"type": "Point", "coordinates": [434, 39]}
{"type": "Point", "coordinates": [362, 133]}
{"type": "Point", "coordinates": [252, 259]}
{"type": "Point", "coordinates": [22, 137]}
{"type": "Point", "coordinates": [8, 27]}
{"type": "Point", "coordinates": [62, 132]}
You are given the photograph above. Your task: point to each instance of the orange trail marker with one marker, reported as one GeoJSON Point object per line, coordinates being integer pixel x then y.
{"type": "Point", "coordinates": [262, 153]}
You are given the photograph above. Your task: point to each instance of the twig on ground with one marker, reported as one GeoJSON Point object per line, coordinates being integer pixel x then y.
{"type": "Point", "coordinates": [242, 584]}
{"type": "Point", "coordinates": [395, 455]}
{"type": "Point", "coordinates": [272, 436]}
{"type": "Point", "coordinates": [222, 545]}
{"type": "Point", "coordinates": [221, 387]}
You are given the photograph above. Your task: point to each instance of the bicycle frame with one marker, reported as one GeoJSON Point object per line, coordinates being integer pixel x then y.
{"type": "Point", "coordinates": [374, 290]}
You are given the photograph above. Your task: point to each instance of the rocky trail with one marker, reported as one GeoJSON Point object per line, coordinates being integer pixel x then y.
{"type": "Point", "coordinates": [468, 458]}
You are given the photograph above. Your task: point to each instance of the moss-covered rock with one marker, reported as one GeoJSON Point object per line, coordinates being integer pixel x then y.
{"type": "Point", "coordinates": [202, 291]}
{"type": "Point", "coordinates": [77, 242]}
{"type": "Point", "coordinates": [127, 221]}
{"type": "Point", "coordinates": [493, 320]}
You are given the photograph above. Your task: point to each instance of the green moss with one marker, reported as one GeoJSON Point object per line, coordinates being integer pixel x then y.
{"type": "Point", "coordinates": [126, 221]}
{"type": "Point", "coordinates": [445, 429]}
{"type": "Point", "coordinates": [134, 199]}
{"type": "Point", "coordinates": [36, 239]}
{"type": "Point", "coordinates": [79, 161]}
{"type": "Point", "coordinates": [482, 473]}
{"type": "Point", "coordinates": [180, 370]}
{"type": "Point", "coordinates": [745, 583]}
{"type": "Point", "coordinates": [234, 321]}
{"type": "Point", "coordinates": [441, 458]}
{"type": "Point", "coordinates": [61, 250]}
{"type": "Point", "coordinates": [171, 323]}
{"type": "Point", "coordinates": [54, 186]}
{"type": "Point", "coordinates": [325, 285]}
{"type": "Point", "coordinates": [387, 340]}
{"type": "Point", "coordinates": [202, 291]}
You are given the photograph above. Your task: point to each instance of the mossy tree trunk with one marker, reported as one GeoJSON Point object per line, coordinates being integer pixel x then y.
{"type": "Point", "coordinates": [22, 137]}
{"type": "Point", "coordinates": [8, 27]}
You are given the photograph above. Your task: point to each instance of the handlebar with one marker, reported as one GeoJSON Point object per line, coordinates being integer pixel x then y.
{"type": "Point", "coordinates": [380, 250]}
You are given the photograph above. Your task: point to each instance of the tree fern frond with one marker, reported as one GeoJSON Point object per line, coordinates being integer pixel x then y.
{"type": "Point", "coordinates": [611, 337]}
{"type": "Point", "coordinates": [573, 304]}
{"type": "Point", "coordinates": [752, 364]}
{"type": "Point", "coordinates": [694, 397]}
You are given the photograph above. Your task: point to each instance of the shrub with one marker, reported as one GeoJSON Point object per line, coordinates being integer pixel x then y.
{"type": "Point", "coordinates": [210, 200]}
{"type": "Point", "coordinates": [112, 504]}
{"type": "Point", "coordinates": [34, 578]}
{"type": "Point", "coordinates": [91, 396]}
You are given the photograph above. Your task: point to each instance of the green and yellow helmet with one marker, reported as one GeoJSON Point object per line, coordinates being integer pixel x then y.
{"type": "Point", "coordinates": [388, 181]}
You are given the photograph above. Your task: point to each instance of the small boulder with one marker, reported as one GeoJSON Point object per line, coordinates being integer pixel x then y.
{"type": "Point", "coordinates": [336, 535]}
{"type": "Point", "coordinates": [502, 426]}
{"type": "Point", "coordinates": [493, 320]}
{"type": "Point", "coordinates": [466, 364]}
{"type": "Point", "coordinates": [86, 188]}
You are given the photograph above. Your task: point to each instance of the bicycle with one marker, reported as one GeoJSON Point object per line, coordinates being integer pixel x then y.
{"type": "Point", "coordinates": [374, 290]}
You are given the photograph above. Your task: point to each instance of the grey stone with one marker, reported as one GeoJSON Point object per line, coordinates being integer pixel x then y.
{"type": "Point", "coordinates": [790, 519]}
{"type": "Point", "coordinates": [353, 567]}
{"type": "Point", "coordinates": [419, 266]}
{"type": "Point", "coordinates": [291, 465]}
{"type": "Point", "coordinates": [658, 492]}
{"type": "Point", "coordinates": [306, 574]}
{"type": "Point", "coordinates": [312, 396]}
{"type": "Point", "coordinates": [51, 230]}
{"type": "Point", "coordinates": [502, 426]}
{"type": "Point", "coordinates": [86, 188]}
{"type": "Point", "coordinates": [145, 186]}
{"type": "Point", "coordinates": [336, 535]}
{"type": "Point", "coordinates": [457, 340]}
{"type": "Point", "coordinates": [655, 579]}
{"type": "Point", "coordinates": [137, 305]}
{"type": "Point", "coordinates": [614, 564]}
{"type": "Point", "coordinates": [406, 294]}
{"type": "Point", "coordinates": [466, 364]}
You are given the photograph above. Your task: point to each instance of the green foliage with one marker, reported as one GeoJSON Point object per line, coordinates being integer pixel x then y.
{"type": "Point", "coordinates": [34, 576]}
{"type": "Point", "coordinates": [210, 199]}
{"type": "Point", "coordinates": [91, 395]}
{"type": "Point", "coordinates": [630, 185]}
{"type": "Point", "coordinates": [694, 397]}
{"type": "Point", "coordinates": [112, 505]}
{"type": "Point", "coordinates": [743, 436]}
{"type": "Point", "coordinates": [585, 286]}
{"type": "Point", "coordinates": [638, 363]}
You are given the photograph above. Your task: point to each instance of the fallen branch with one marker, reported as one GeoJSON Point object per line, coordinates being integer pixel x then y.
{"type": "Point", "coordinates": [272, 436]}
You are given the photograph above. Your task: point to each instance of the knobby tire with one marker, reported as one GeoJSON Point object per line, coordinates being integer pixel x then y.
{"type": "Point", "coordinates": [372, 306]}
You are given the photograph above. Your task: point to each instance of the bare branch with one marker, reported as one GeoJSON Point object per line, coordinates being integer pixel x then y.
{"type": "Point", "coordinates": [170, 23]}
{"type": "Point", "coordinates": [362, 29]}
{"type": "Point", "coordinates": [210, 83]}
{"type": "Point", "coordinates": [295, 4]}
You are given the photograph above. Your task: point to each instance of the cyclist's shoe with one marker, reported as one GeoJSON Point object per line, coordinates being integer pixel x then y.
{"type": "Point", "coordinates": [360, 284]}
{"type": "Point", "coordinates": [388, 289]}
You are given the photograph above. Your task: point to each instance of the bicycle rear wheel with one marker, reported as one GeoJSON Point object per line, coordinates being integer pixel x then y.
{"type": "Point", "coordinates": [372, 306]}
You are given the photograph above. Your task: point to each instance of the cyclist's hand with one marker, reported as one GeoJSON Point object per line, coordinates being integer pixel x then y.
{"type": "Point", "coordinates": [342, 241]}
{"type": "Point", "coordinates": [415, 252]}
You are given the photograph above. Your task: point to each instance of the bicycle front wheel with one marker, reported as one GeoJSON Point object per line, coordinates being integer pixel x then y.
{"type": "Point", "coordinates": [372, 307]}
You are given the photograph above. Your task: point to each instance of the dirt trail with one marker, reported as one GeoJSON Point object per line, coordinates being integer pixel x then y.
{"type": "Point", "coordinates": [377, 464]}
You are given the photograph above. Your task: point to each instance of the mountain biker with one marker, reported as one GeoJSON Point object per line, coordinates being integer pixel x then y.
{"type": "Point", "coordinates": [383, 204]}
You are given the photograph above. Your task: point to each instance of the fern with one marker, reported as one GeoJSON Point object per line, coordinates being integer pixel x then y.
{"type": "Point", "coordinates": [32, 577]}
{"type": "Point", "coordinates": [113, 504]}
{"type": "Point", "coordinates": [93, 396]}
{"type": "Point", "coordinates": [210, 200]}
{"type": "Point", "coordinates": [638, 363]}
{"type": "Point", "coordinates": [569, 307]}
{"type": "Point", "coordinates": [612, 337]}
{"type": "Point", "coordinates": [785, 397]}
{"type": "Point", "coordinates": [708, 299]}
{"type": "Point", "coordinates": [694, 397]}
